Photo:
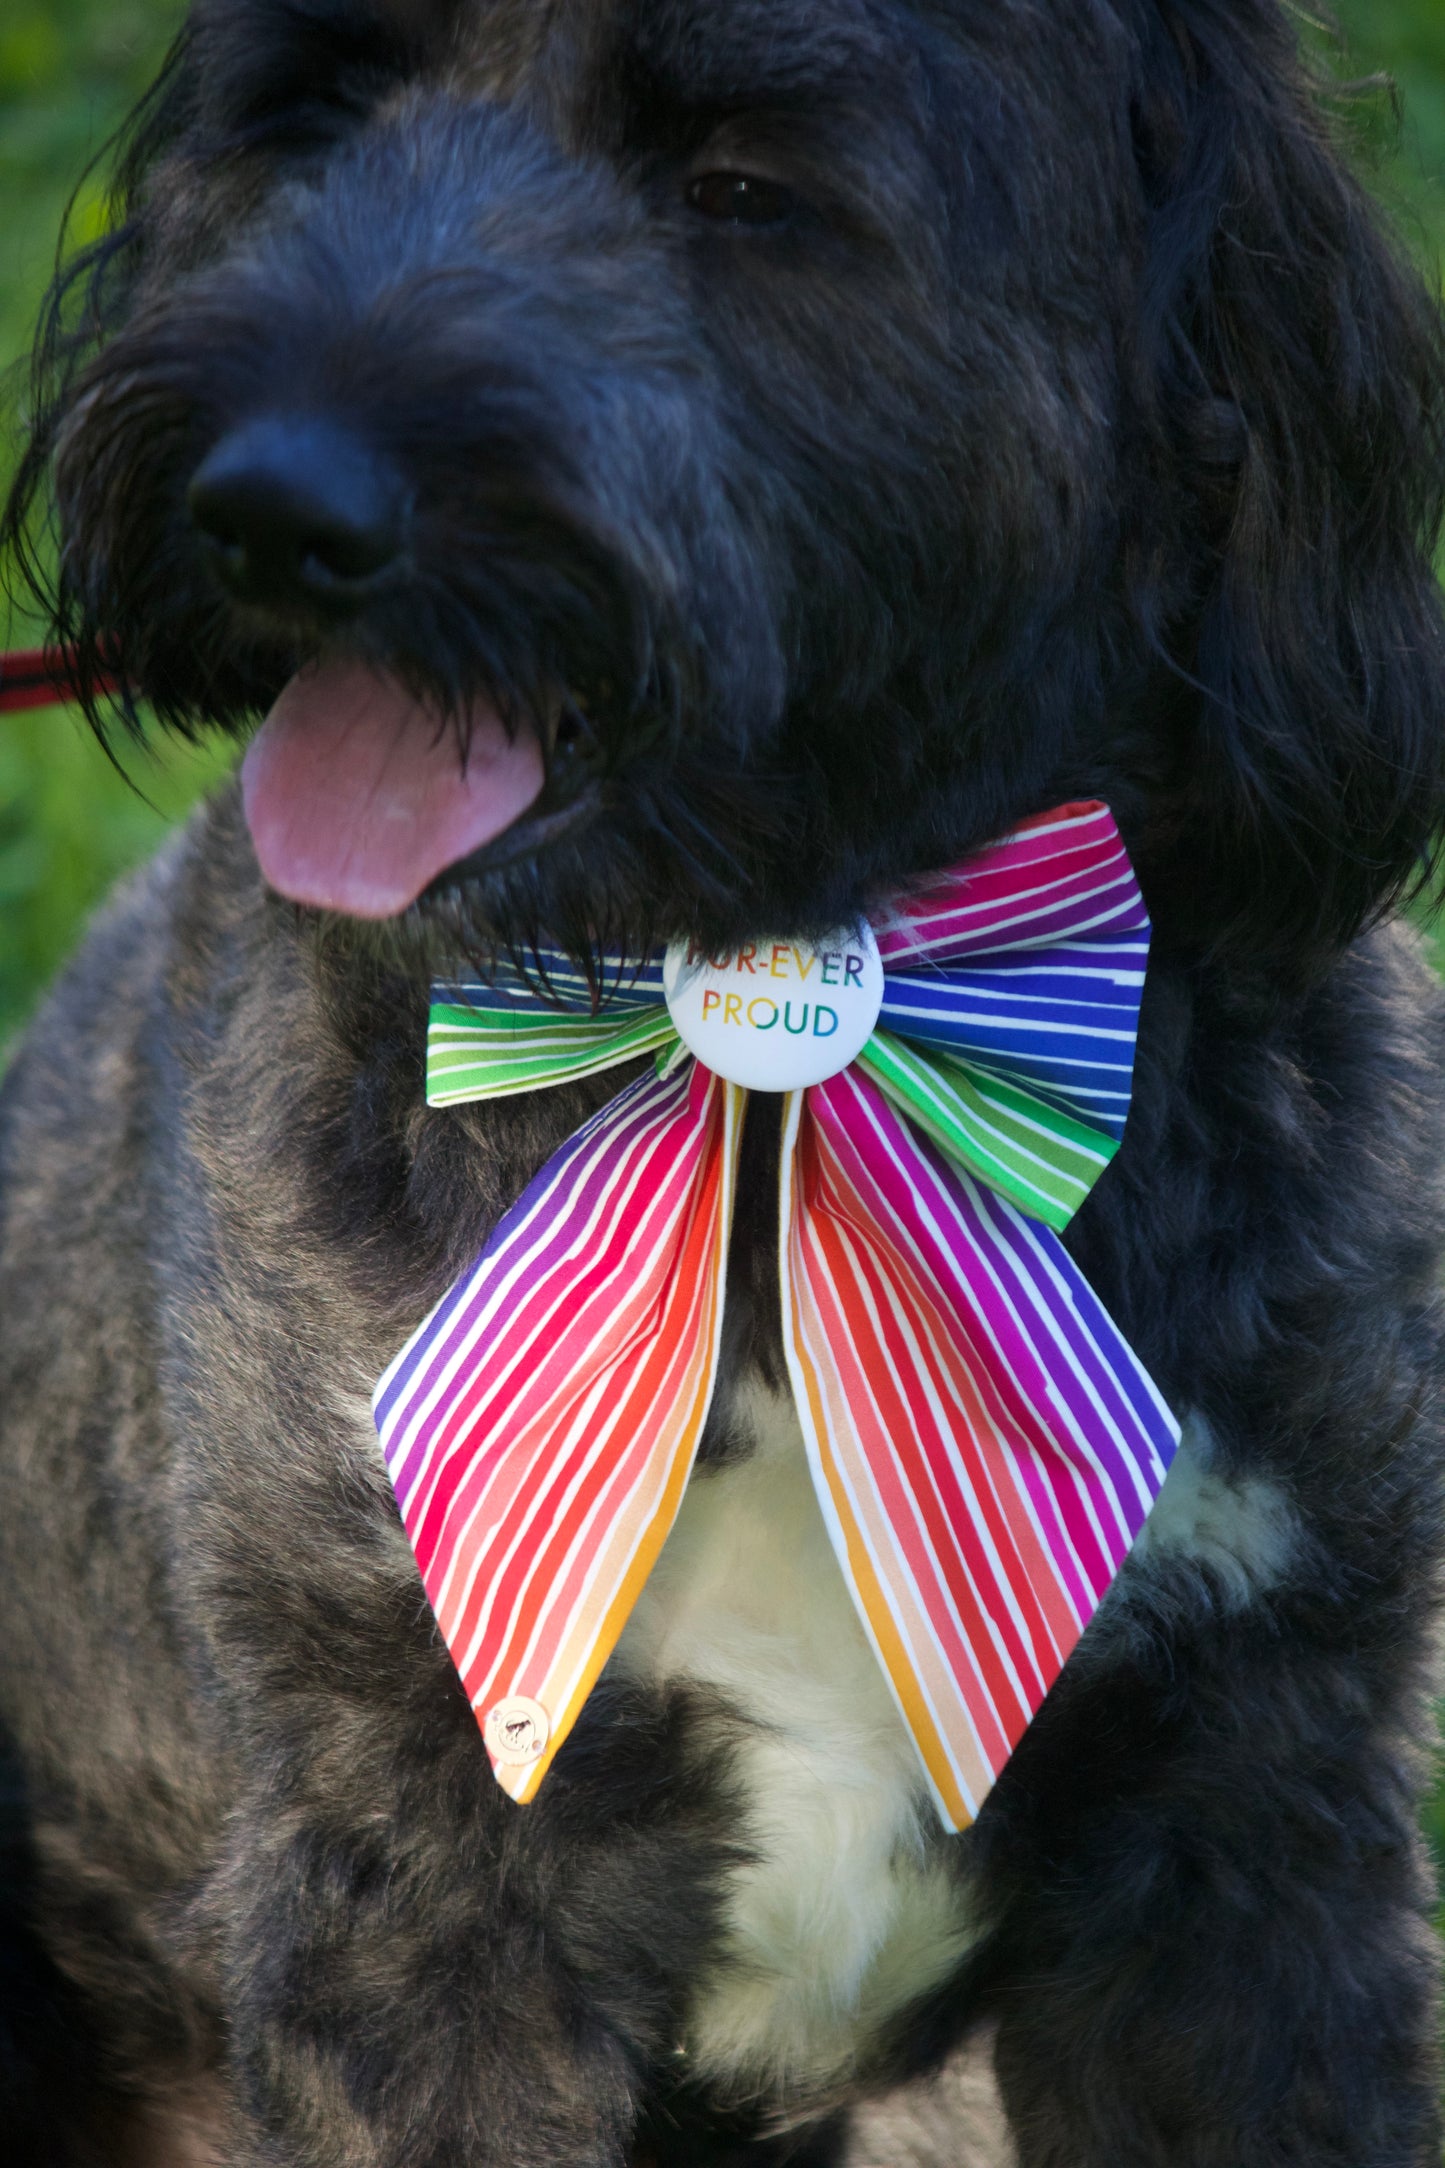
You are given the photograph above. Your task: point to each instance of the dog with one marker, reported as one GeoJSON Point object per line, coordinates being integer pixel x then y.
{"type": "Point", "coordinates": [713, 467]}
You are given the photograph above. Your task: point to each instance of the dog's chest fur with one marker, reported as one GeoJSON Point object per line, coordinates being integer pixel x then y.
{"type": "Point", "coordinates": [847, 1909]}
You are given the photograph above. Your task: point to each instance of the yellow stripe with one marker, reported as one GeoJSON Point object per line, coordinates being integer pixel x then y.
{"type": "Point", "coordinates": [523, 1784]}
{"type": "Point", "coordinates": [899, 1665]}
{"type": "Point", "coordinates": [926, 1734]}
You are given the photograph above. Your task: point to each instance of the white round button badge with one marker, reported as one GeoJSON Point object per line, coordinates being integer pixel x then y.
{"type": "Point", "coordinates": [517, 1731]}
{"type": "Point", "coordinates": [776, 1015]}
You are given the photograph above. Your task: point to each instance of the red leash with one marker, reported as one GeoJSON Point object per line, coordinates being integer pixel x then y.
{"type": "Point", "coordinates": [38, 677]}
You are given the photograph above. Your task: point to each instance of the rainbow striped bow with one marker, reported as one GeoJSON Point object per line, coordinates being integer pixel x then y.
{"type": "Point", "coordinates": [984, 1444]}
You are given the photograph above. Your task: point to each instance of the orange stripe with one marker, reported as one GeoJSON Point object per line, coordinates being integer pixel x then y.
{"type": "Point", "coordinates": [895, 1657]}
{"type": "Point", "coordinates": [655, 1433]}
{"type": "Point", "coordinates": [954, 1673]}
{"type": "Point", "coordinates": [939, 1551]}
{"type": "Point", "coordinates": [536, 1565]}
{"type": "Point", "coordinates": [897, 1291]}
{"type": "Point", "coordinates": [878, 1613]}
{"type": "Point", "coordinates": [993, 1429]}
{"type": "Point", "coordinates": [589, 1352]}
{"type": "Point", "coordinates": [702, 1263]}
{"type": "Point", "coordinates": [596, 1287]}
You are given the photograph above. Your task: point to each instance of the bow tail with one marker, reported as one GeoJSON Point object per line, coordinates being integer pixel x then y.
{"type": "Point", "coordinates": [541, 1424]}
{"type": "Point", "coordinates": [984, 1444]}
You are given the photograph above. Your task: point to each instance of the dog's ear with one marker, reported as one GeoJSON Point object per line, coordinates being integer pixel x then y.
{"type": "Point", "coordinates": [1293, 380]}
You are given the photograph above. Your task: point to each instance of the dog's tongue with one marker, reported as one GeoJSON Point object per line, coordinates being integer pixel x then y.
{"type": "Point", "coordinates": [356, 797]}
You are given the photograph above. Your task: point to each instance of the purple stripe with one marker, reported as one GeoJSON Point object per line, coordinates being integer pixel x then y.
{"type": "Point", "coordinates": [555, 1208]}
{"type": "Point", "coordinates": [1129, 1384]}
{"type": "Point", "coordinates": [541, 1206]}
{"type": "Point", "coordinates": [1097, 908]}
{"type": "Point", "coordinates": [1012, 1331]}
{"type": "Point", "coordinates": [1108, 1472]}
{"type": "Point", "coordinates": [1097, 1349]}
{"type": "Point", "coordinates": [438, 1322]}
{"type": "Point", "coordinates": [893, 1164]}
{"type": "Point", "coordinates": [1005, 1237]}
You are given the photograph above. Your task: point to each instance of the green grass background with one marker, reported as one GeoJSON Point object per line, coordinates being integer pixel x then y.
{"type": "Point", "coordinates": [69, 824]}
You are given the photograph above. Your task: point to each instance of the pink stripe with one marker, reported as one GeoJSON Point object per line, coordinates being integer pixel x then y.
{"type": "Point", "coordinates": [945, 1338]}
{"type": "Point", "coordinates": [598, 1296]}
{"type": "Point", "coordinates": [530, 1238]}
{"type": "Point", "coordinates": [604, 1278]}
{"type": "Point", "coordinates": [602, 1303]}
{"type": "Point", "coordinates": [957, 1256]}
{"type": "Point", "coordinates": [619, 1473]}
{"type": "Point", "coordinates": [877, 1460]}
{"type": "Point", "coordinates": [1028, 881]}
{"type": "Point", "coordinates": [555, 1528]}
{"type": "Point", "coordinates": [964, 1716]}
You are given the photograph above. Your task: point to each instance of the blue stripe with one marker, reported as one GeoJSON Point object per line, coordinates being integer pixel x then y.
{"type": "Point", "coordinates": [1060, 1021]}
{"type": "Point", "coordinates": [1117, 970]}
{"type": "Point", "coordinates": [553, 981]}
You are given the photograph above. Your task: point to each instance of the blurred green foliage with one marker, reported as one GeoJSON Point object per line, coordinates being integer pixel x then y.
{"type": "Point", "coordinates": [69, 69]}
{"type": "Point", "coordinates": [69, 821]}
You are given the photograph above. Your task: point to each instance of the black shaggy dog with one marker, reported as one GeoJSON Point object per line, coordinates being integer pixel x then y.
{"type": "Point", "coordinates": [822, 432]}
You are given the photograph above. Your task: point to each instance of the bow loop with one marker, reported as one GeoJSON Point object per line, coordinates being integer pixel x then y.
{"type": "Point", "coordinates": [1027, 967]}
{"type": "Point", "coordinates": [524, 1030]}
{"type": "Point", "coordinates": [478, 1052]}
{"type": "Point", "coordinates": [1011, 1139]}
{"type": "Point", "coordinates": [1068, 1040]}
{"type": "Point", "coordinates": [1062, 877]}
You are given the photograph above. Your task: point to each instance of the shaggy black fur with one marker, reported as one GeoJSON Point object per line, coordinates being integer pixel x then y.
{"type": "Point", "coordinates": [1063, 423]}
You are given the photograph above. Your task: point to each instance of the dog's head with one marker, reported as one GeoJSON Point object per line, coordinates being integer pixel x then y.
{"type": "Point", "coordinates": [680, 468]}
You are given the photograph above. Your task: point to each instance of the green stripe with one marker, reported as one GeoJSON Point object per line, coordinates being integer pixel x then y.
{"type": "Point", "coordinates": [1043, 1159]}
{"type": "Point", "coordinates": [492, 1053]}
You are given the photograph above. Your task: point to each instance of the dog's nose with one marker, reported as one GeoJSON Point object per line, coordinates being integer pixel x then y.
{"type": "Point", "coordinates": [293, 511]}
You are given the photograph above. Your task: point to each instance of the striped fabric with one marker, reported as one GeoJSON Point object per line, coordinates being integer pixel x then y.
{"type": "Point", "coordinates": [1023, 1145]}
{"type": "Point", "coordinates": [984, 1444]}
{"type": "Point", "coordinates": [540, 1435]}
{"type": "Point", "coordinates": [476, 1053]}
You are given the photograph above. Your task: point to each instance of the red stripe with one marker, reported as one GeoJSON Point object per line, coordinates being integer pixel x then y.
{"type": "Point", "coordinates": [1008, 1373]}
{"type": "Point", "coordinates": [649, 1357]}
{"type": "Point", "coordinates": [524, 1427]}
{"type": "Point", "coordinates": [483, 1402]}
{"type": "Point", "coordinates": [42, 677]}
{"type": "Point", "coordinates": [948, 1548]}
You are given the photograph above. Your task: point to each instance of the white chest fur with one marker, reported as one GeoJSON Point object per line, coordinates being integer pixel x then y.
{"type": "Point", "coordinates": [843, 1916]}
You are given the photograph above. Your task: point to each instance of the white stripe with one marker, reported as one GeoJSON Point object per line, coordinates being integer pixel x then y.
{"type": "Point", "coordinates": [657, 1468]}
{"type": "Point", "coordinates": [1018, 1444]}
{"type": "Point", "coordinates": [1013, 1441]}
{"type": "Point", "coordinates": [628, 1268]}
{"type": "Point", "coordinates": [836, 1531]}
{"type": "Point", "coordinates": [946, 1424]}
{"type": "Point", "coordinates": [1027, 904]}
{"type": "Point", "coordinates": [645, 1115]}
{"type": "Point", "coordinates": [520, 1247]}
{"type": "Point", "coordinates": [987, 1265]}
{"type": "Point", "coordinates": [557, 1446]}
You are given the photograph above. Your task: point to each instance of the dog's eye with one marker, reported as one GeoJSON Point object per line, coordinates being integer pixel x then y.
{"type": "Point", "coordinates": [740, 199]}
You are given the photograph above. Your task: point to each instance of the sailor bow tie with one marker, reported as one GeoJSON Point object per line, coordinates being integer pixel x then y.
{"type": "Point", "coordinates": [984, 1444]}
